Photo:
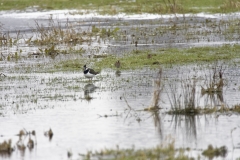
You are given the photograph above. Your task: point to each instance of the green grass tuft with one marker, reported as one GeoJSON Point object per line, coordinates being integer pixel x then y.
{"type": "Point", "coordinates": [159, 152]}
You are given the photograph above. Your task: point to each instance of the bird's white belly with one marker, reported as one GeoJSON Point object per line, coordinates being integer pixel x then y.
{"type": "Point", "coordinates": [89, 75]}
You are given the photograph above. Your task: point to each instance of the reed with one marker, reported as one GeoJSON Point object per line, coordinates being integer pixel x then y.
{"type": "Point", "coordinates": [214, 81]}
{"type": "Point", "coordinates": [183, 97]}
{"type": "Point", "coordinates": [55, 33]}
{"type": "Point", "coordinates": [157, 89]}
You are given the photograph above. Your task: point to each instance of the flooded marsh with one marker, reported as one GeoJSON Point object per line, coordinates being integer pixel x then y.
{"type": "Point", "coordinates": [49, 110]}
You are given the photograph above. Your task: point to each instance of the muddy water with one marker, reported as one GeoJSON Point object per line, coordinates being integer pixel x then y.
{"type": "Point", "coordinates": [87, 115]}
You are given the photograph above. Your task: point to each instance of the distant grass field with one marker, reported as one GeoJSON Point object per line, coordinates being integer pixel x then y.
{"type": "Point", "coordinates": [129, 6]}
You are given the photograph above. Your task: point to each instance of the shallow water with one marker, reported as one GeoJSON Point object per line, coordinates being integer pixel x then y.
{"type": "Point", "coordinates": [87, 115]}
{"type": "Point", "coordinates": [60, 101]}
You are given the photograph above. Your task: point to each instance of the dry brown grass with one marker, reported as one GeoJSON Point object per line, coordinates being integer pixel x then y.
{"type": "Point", "coordinates": [157, 89]}
{"type": "Point", "coordinates": [230, 5]}
{"type": "Point", "coordinates": [214, 81]}
{"type": "Point", "coordinates": [56, 33]}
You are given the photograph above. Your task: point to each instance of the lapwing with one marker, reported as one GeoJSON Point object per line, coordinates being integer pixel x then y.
{"type": "Point", "coordinates": [89, 73]}
{"type": "Point", "coordinates": [117, 64]}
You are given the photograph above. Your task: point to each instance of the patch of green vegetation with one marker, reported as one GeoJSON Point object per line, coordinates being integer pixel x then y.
{"type": "Point", "coordinates": [138, 59]}
{"type": "Point", "coordinates": [128, 6]}
{"type": "Point", "coordinates": [160, 152]}
{"type": "Point", "coordinates": [211, 152]}
{"type": "Point", "coordinates": [103, 32]}
{"type": "Point", "coordinates": [69, 65]}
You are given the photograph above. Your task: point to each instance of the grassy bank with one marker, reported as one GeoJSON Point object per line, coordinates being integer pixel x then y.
{"type": "Point", "coordinates": [128, 6]}
{"type": "Point", "coordinates": [152, 59]}
{"type": "Point", "coordinates": [138, 59]}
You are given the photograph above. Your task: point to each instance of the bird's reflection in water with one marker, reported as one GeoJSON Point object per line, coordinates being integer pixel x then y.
{"type": "Point", "coordinates": [118, 73]}
{"type": "Point", "coordinates": [88, 89]}
{"type": "Point", "coordinates": [117, 65]}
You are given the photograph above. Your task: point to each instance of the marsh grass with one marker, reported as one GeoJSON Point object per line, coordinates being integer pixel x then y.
{"type": "Point", "coordinates": [25, 140]}
{"type": "Point", "coordinates": [214, 80]}
{"type": "Point", "coordinates": [236, 108]}
{"type": "Point", "coordinates": [55, 33]}
{"type": "Point", "coordinates": [172, 6]}
{"type": "Point", "coordinates": [164, 57]}
{"type": "Point", "coordinates": [157, 89]}
{"type": "Point", "coordinates": [171, 57]}
{"type": "Point", "coordinates": [183, 98]}
{"type": "Point", "coordinates": [163, 151]}
{"type": "Point", "coordinates": [230, 5]}
{"type": "Point", "coordinates": [57, 37]}
{"type": "Point", "coordinates": [6, 147]}
{"type": "Point", "coordinates": [160, 152]}
{"type": "Point", "coordinates": [139, 6]}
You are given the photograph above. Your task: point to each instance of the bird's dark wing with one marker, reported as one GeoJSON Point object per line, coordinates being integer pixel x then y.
{"type": "Point", "coordinates": [91, 71]}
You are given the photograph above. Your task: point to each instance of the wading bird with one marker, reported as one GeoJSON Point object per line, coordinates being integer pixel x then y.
{"type": "Point", "coordinates": [117, 64]}
{"type": "Point", "coordinates": [89, 73]}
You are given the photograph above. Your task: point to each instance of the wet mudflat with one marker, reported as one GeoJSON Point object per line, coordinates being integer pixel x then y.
{"type": "Point", "coordinates": [93, 115]}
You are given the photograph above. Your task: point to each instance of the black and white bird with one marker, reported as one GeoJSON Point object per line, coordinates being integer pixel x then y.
{"type": "Point", "coordinates": [89, 73]}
